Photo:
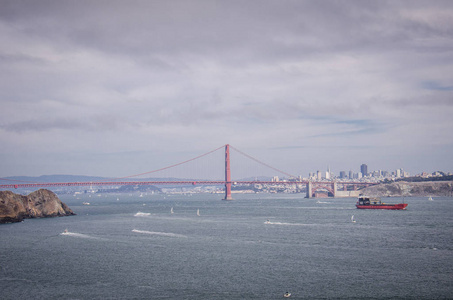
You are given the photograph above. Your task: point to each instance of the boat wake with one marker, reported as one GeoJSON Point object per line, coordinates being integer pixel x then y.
{"type": "Point", "coordinates": [142, 214]}
{"type": "Point", "coordinates": [79, 235]}
{"type": "Point", "coordinates": [286, 224]}
{"type": "Point", "coordinates": [328, 207]}
{"type": "Point", "coordinates": [168, 234]}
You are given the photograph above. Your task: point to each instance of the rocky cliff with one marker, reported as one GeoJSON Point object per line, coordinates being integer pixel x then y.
{"type": "Point", "coordinates": [410, 189]}
{"type": "Point", "coordinates": [39, 204]}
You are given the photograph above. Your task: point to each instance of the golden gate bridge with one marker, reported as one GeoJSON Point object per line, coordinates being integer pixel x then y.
{"type": "Point", "coordinates": [311, 186]}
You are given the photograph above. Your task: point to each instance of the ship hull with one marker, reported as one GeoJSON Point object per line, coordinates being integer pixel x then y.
{"type": "Point", "coordinates": [383, 206]}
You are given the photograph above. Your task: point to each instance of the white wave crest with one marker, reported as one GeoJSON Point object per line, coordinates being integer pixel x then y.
{"type": "Point", "coordinates": [169, 234]}
{"type": "Point", "coordinates": [142, 214]}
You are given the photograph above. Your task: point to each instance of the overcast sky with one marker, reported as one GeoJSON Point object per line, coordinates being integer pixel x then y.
{"type": "Point", "coordinates": [114, 88]}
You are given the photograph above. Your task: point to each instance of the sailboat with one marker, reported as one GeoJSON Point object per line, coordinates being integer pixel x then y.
{"type": "Point", "coordinates": [198, 212]}
{"type": "Point", "coordinates": [430, 198]}
{"type": "Point", "coordinates": [171, 210]}
{"type": "Point", "coordinates": [352, 219]}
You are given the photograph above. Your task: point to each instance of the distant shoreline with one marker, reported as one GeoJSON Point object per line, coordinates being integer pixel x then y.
{"type": "Point", "coordinates": [411, 189]}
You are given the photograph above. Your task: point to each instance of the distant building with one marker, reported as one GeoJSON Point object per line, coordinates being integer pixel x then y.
{"type": "Point", "coordinates": [364, 170]}
{"type": "Point", "coordinates": [342, 174]}
{"type": "Point", "coordinates": [319, 175]}
{"type": "Point", "coordinates": [350, 175]}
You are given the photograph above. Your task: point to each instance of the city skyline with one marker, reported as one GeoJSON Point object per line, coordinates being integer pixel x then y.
{"type": "Point", "coordinates": [118, 88]}
{"type": "Point", "coordinates": [364, 172]}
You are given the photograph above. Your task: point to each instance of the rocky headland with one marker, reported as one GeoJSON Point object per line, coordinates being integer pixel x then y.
{"type": "Point", "coordinates": [38, 204]}
{"type": "Point", "coordinates": [410, 189]}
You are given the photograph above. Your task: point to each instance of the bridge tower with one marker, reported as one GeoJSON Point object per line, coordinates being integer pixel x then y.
{"type": "Point", "coordinates": [309, 189]}
{"type": "Point", "coordinates": [227, 174]}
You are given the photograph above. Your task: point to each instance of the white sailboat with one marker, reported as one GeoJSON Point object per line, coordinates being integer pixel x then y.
{"type": "Point", "coordinates": [430, 198]}
{"type": "Point", "coordinates": [352, 219]}
{"type": "Point", "coordinates": [171, 210]}
{"type": "Point", "coordinates": [198, 212]}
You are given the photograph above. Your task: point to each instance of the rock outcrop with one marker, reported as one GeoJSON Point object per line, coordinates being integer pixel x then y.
{"type": "Point", "coordinates": [39, 204]}
{"type": "Point", "coordinates": [410, 189]}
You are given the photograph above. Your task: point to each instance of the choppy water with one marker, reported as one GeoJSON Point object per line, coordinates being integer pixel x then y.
{"type": "Point", "coordinates": [134, 248]}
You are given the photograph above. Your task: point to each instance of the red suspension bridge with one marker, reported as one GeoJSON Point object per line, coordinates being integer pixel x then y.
{"type": "Point", "coordinates": [311, 187]}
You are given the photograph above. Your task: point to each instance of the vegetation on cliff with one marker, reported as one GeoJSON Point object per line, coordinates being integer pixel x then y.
{"type": "Point", "coordinates": [39, 204]}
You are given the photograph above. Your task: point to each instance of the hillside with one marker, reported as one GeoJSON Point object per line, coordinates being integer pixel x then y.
{"type": "Point", "coordinates": [410, 189]}
{"type": "Point", "coordinates": [39, 204]}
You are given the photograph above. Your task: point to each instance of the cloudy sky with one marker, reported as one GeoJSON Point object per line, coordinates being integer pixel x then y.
{"type": "Point", "coordinates": [113, 88]}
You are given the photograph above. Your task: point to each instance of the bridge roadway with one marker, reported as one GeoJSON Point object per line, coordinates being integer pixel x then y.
{"type": "Point", "coordinates": [187, 182]}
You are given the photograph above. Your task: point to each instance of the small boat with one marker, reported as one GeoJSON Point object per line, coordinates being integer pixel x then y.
{"type": "Point", "coordinates": [86, 203]}
{"type": "Point", "coordinates": [198, 212]}
{"type": "Point", "coordinates": [267, 222]}
{"type": "Point", "coordinates": [287, 295]}
{"type": "Point", "coordinates": [375, 203]}
{"type": "Point", "coordinates": [352, 219]}
{"type": "Point", "coordinates": [171, 210]}
{"type": "Point", "coordinates": [430, 198]}
{"type": "Point", "coordinates": [65, 231]}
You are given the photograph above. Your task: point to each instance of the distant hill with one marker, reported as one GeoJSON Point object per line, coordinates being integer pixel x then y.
{"type": "Point", "coordinates": [83, 178]}
{"type": "Point", "coordinates": [423, 179]}
{"type": "Point", "coordinates": [410, 189]}
{"type": "Point", "coordinates": [55, 178]}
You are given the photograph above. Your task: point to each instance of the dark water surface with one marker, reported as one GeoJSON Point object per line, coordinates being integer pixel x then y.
{"type": "Point", "coordinates": [134, 248]}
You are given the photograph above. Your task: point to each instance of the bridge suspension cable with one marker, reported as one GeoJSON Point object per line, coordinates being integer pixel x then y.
{"type": "Point", "coordinates": [262, 163]}
{"type": "Point", "coordinates": [17, 180]}
{"type": "Point", "coordinates": [172, 166]}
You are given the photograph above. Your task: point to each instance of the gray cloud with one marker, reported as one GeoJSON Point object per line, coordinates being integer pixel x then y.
{"type": "Point", "coordinates": [258, 74]}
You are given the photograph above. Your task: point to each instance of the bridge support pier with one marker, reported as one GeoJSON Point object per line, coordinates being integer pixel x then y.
{"type": "Point", "coordinates": [309, 189]}
{"type": "Point", "coordinates": [227, 174]}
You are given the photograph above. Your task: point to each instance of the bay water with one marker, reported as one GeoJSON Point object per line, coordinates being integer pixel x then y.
{"type": "Point", "coordinates": [258, 246]}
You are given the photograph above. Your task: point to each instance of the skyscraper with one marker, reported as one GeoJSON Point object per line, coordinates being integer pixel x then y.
{"type": "Point", "coordinates": [364, 170]}
{"type": "Point", "coordinates": [319, 175]}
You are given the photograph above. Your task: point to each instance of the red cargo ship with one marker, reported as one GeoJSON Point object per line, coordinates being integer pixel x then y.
{"type": "Point", "coordinates": [376, 203]}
